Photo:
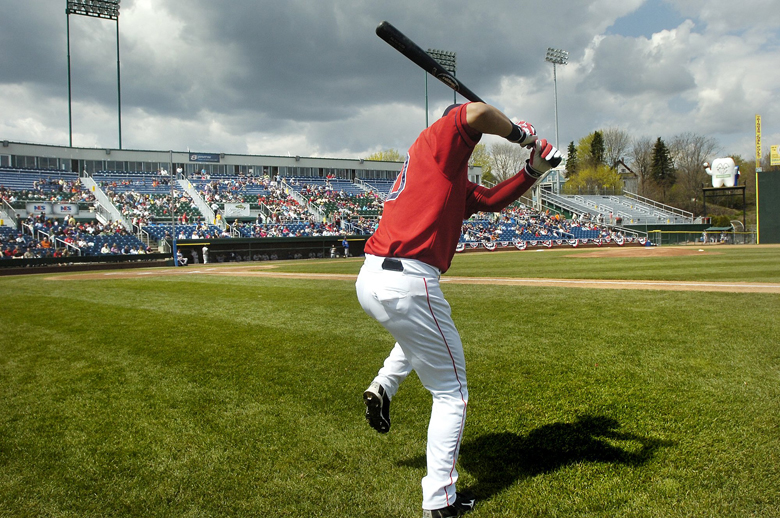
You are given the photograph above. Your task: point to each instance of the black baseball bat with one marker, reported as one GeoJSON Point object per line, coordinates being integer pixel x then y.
{"type": "Point", "coordinates": [421, 58]}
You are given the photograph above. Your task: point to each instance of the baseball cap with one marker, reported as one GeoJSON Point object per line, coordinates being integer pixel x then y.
{"type": "Point", "coordinates": [450, 108]}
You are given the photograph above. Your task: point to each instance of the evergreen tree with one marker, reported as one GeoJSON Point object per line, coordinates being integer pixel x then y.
{"type": "Point", "coordinates": [662, 169]}
{"type": "Point", "coordinates": [597, 149]}
{"type": "Point", "coordinates": [571, 161]}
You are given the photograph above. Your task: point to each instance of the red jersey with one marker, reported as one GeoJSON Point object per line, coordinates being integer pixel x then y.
{"type": "Point", "coordinates": [424, 211]}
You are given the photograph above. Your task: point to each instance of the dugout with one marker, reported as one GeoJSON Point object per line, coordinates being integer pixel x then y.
{"type": "Point", "coordinates": [768, 206]}
{"type": "Point", "coordinates": [269, 248]}
{"type": "Point", "coordinates": [19, 265]}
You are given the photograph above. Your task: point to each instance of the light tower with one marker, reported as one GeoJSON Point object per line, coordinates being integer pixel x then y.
{"type": "Point", "coordinates": [108, 10]}
{"type": "Point", "coordinates": [556, 57]}
{"type": "Point", "coordinates": [449, 61]}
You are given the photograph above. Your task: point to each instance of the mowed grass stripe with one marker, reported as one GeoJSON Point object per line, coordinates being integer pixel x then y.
{"type": "Point", "coordinates": [751, 264]}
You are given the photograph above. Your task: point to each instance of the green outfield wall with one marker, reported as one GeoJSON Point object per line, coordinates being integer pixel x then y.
{"type": "Point", "coordinates": [768, 203]}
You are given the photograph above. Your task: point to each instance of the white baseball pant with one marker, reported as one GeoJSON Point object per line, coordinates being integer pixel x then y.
{"type": "Point", "coordinates": [411, 306]}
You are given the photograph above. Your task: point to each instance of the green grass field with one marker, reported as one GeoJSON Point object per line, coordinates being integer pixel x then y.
{"type": "Point", "coordinates": [211, 396]}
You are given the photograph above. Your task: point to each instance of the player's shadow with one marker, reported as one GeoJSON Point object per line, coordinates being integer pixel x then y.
{"type": "Point", "coordinates": [497, 460]}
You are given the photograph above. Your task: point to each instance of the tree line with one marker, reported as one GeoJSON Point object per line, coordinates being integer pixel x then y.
{"type": "Point", "coordinates": [671, 172]}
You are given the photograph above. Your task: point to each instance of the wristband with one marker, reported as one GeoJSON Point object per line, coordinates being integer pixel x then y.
{"type": "Point", "coordinates": [530, 171]}
{"type": "Point", "coordinates": [516, 135]}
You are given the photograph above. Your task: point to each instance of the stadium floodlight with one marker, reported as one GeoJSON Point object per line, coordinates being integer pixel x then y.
{"type": "Point", "coordinates": [556, 57]}
{"type": "Point", "coordinates": [107, 10]}
{"type": "Point", "coordinates": [449, 61]}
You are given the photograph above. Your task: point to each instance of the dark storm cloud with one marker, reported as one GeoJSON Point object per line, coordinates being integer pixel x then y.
{"type": "Point", "coordinates": [269, 61]}
{"type": "Point", "coordinates": [311, 77]}
{"type": "Point", "coordinates": [33, 42]}
{"type": "Point", "coordinates": [320, 60]}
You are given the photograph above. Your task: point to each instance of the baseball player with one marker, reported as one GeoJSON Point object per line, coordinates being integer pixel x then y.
{"type": "Point", "coordinates": [398, 283]}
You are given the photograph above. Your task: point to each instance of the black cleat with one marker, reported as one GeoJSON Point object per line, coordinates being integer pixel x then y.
{"type": "Point", "coordinates": [377, 407]}
{"type": "Point", "coordinates": [463, 504]}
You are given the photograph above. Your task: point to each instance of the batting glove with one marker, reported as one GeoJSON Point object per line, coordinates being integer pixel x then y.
{"type": "Point", "coordinates": [544, 156]}
{"type": "Point", "coordinates": [522, 133]}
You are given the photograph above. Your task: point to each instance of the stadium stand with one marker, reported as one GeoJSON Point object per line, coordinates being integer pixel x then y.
{"type": "Point", "coordinates": [612, 209]}
{"type": "Point", "coordinates": [380, 186]}
{"type": "Point", "coordinates": [279, 207]}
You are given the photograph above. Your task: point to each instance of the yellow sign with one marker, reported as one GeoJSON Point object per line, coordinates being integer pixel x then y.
{"type": "Point", "coordinates": [774, 156]}
{"type": "Point", "coordinates": [758, 143]}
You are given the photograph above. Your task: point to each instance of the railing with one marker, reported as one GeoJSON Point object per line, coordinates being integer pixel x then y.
{"type": "Point", "coordinates": [104, 206]}
{"type": "Point", "coordinates": [203, 207]}
{"type": "Point", "coordinates": [40, 235]}
{"type": "Point", "coordinates": [10, 212]}
{"type": "Point", "coordinates": [528, 202]}
{"type": "Point", "coordinates": [29, 229]}
{"type": "Point", "coordinates": [303, 201]}
{"type": "Point", "coordinates": [629, 231]}
{"type": "Point", "coordinates": [61, 242]}
{"type": "Point", "coordinates": [144, 236]}
{"type": "Point", "coordinates": [360, 183]}
{"type": "Point", "coordinates": [102, 215]}
{"type": "Point", "coordinates": [665, 209]}
{"type": "Point", "coordinates": [349, 228]}
{"type": "Point", "coordinates": [265, 211]}
{"type": "Point", "coordinates": [667, 237]}
{"type": "Point", "coordinates": [563, 203]}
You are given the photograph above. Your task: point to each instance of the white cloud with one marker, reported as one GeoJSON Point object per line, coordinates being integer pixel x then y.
{"type": "Point", "coordinates": [255, 76]}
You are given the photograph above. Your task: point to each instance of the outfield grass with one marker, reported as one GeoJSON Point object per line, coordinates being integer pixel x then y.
{"type": "Point", "coordinates": [713, 263]}
{"type": "Point", "coordinates": [232, 396]}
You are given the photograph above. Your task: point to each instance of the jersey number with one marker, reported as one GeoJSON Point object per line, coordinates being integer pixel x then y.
{"type": "Point", "coordinates": [400, 182]}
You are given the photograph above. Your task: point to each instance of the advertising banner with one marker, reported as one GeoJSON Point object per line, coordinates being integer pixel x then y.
{"type": "Point", "coordinates": [65, 209]}
{"type": "Point", "coordinates": [205, 157]}
{"type": "Point", "coordinates": [774, 157]}
{"type": "Point", "coordinates": [236, 210]}
{"type": "Point", "coordinates": [38, 208]}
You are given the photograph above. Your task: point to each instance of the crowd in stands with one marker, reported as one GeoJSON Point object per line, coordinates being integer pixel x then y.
{"type": "Point", "coordinates": [234, 188]}
{"type": "Point", "coordinates": [362, 226]}
{"type": "Point", "coordinates": [198, 230]}
{"type": "Point", "coordinates": [283, 207]}
{"type": "Point", "coordinates": [348, 205]}
{"type": "Point", "coordinates": [255, 191]}
{"type": "Point", "coordinates": [348, 208]}
{"type": "Point", "coordinates": [38, 236]}
{"type": "Point", "coordinates": [307, 229]}
{"type": "Point", "coordinates": [64, 191]}
{"type": "Point", "coordinates": [126, 183]}
{"type": "Point", "coordinates": [518, 222]}
{"type": "Point", "coordinates": [143, 208]}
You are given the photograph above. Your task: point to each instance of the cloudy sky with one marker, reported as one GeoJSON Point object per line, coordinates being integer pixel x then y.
{"type": "Point", "coordinates": [311, 78]}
